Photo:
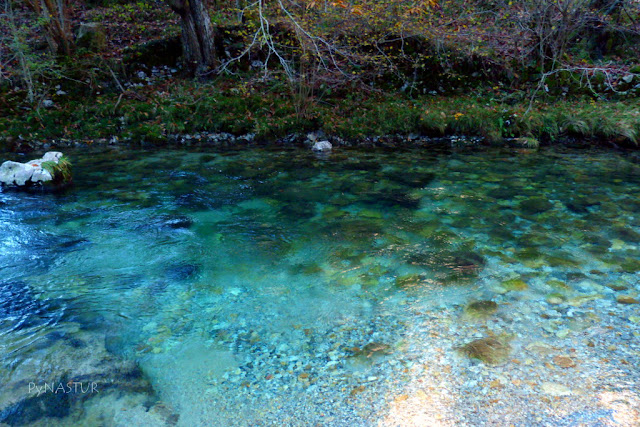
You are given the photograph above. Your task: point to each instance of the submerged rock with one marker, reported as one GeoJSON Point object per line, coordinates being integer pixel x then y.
{"type": "Point", "coordinates": [535, 205]}
{"type": "Point", "coordinates": [408, 281]}
{"type": "Point", "coordinates": [181, 271]}
{"type": "Point", "coordinates": [555, 298]}
{"type": "Point", "coordinates": [52, 169]}
{"type": "Point", "coordinates": [457, 266]}
{"type": "Point", "coordinates": [555, 389]}
{"type": "Point", "coordinates": [374, 349]}
{"type": "Point", "coordinates": [627, 299]}
{"type": "Point", "coordinates": [491, 351]}
{"type": "Point", "coordinates": [481, 308]}
{"type": "Point", "coordinates": [515, 285]}
{"type": "Point", "coordinates": [64, 373]}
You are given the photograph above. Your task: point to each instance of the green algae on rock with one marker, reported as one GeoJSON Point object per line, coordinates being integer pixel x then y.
{"type": "Point", "coordinates": [627, 299]}
{"type": "Point", "coordinates": [534, 205]}
{"type": "Point", "coordinates": [480, 309]}
{"type": "Point", "coordinates": [516, 284]}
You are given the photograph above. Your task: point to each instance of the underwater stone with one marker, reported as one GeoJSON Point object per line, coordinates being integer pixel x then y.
{"type": "Point", "coordinates": [411, 179]}
{"type": "Point", "coordinates": [369, 213]}
{"type": "Point", "coordinates": [580, 204]}
{"type": "Point", "coordinates": [481, 308]}
{"type": "Point", "coordinates": [618, 286]}
{"type": "Point", "coordinates": [179, 272]}
{"type": "Point", "coordinates": [408, 281]}
{"type": "Point", "coordinates": [630, 265]}
{"type": "Point", "coordinates": [374, 349]}
{"type": "Point", "coordinates": [627, 234]}
{"type": "Point", "coordinates": [554, 389]}
{"type": "Point", "coordinates": [555, 298]}
{"type": "Point", "coordinates": [515, 285]}
{"type": "Point", "coordinates": [491, 351]}
{"type": "Point", "coordinates": [627, 299]}
{"type": "Point", "coordinates": [535, 205]}
{"type": "Point", "coordinates": [179, 221]}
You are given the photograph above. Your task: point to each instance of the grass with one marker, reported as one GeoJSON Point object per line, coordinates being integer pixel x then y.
{"type": "Point", "coordinates": [232, 106]}
{"type": "Point", "coordinates": [60, 171]}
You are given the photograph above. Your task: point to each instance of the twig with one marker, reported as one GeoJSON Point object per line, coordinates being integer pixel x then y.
{"type": "Point", "coordinates": [115, 78]}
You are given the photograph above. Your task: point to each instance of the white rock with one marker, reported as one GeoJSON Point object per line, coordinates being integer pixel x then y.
{"type": "Point", "coordinates": [628, 78]}
{"type": "Point", "coordinates": [47, 103]}
{"type": "Point", "coordinates": [21, 174]}
{"type": "Point", "coordinates": [52, 156]}
{"type": "Point", "coordinates": [322, 146]}
{"type": "Point", "coordinates": [41, 175]}
{"type": "Point", "coordinates": [15, 173]}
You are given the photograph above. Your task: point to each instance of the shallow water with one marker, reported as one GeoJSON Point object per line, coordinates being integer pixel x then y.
{"type": "Point", "coordinates": [277, 286]}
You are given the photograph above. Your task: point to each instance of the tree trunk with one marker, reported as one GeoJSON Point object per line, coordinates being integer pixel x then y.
{"type": "Point", "coordinates": [55, 15]}
{"type": "Point", "coordinates": [198, 47]}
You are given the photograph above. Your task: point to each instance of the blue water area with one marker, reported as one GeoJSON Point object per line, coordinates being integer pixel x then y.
{"type": "Point", "coordinates": [274, 286]}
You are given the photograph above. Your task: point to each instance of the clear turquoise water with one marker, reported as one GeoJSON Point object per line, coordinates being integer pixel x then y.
{"type": "Point", "coordinates": [246, 284]}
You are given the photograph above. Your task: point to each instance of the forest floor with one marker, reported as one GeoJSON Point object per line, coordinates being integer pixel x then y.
{"type": "Point", "coordinates": [135, 91]}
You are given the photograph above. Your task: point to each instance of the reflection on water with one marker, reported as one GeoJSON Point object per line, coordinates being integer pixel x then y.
{"type": "Point", "coordinates": [275, 286]}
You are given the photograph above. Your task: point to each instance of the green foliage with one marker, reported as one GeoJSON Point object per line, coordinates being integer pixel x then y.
{"type": "Point", "coordinates": [235, 107]}
{"type": "Point", "coordinates": [60, 171]}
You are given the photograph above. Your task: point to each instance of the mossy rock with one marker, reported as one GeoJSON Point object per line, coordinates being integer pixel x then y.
{"type": "Point", "coordinates": [490, 350]}
{"type": "Point", "coordinates": [555, 298]}
{"type": "Point", "coordinates": [368, 280]}
{"type": "Point", "coordinates": [311, 268]}
{"type": "Point", "coordinates": [534, 205]}
{"type": "Point", "coordinates": [355, 230]}
{"type": "Point", "coordinates": [627, 299]}
{"type": "Point", "coordinates": [331, 212]}
{"type": "Point", "coordinates": [504, 193]}
{"type": "Point", "coordinates": [515, 285]}
{"type": "Point", "coordinates": [369, 213]}
{"type": "Point", "coordinates": [413, 179]}
{"type": "Point", "coordinates": [92, 36]}
{"type": "Point", "coordinates": [630, 265]}
{"type": "Point", "coordinates": [561, 261]}
{"type": "Point", "coordinates": [528, 254]}
{"type": "Point", "coordinates": [580, 204]}
{"type": "Point", "coordinates": [374, 349]}
{"type": "Point", "coordinates": [408, 281]}
{"type": "Point", "coordinates": [627, 234]}
{"type": "Point", "coordinates": [559, 285]}
{"type": "Point", "coordinates": [483, 308]}
{"type": "Point", "coordinates": [618, 286]}
{"type": "Point", "coordinates": [347, 254]}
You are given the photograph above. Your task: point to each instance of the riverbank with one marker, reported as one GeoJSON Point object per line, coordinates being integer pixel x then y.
{"type": "Point", "coordinates": [167, 111]}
